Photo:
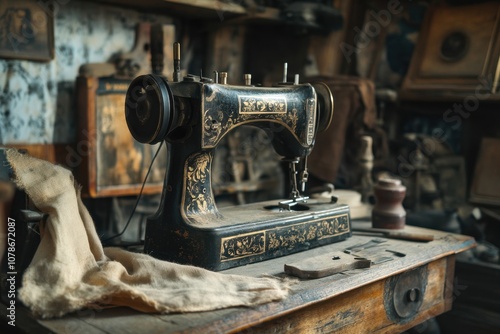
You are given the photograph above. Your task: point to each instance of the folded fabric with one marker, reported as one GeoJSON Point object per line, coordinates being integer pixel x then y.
{"type": "Point", "coordinates": [70, 269]}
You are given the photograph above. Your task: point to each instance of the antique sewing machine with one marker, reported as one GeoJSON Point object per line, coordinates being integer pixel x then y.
{"type": "Point", "coordinates": [192, 114]}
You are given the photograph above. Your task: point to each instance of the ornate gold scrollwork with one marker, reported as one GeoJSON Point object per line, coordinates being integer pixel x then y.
{"type": "Point", "coordinates": [289, 237]}
{"type": "Point", "coordinates": [218, 119]}
{"type": "Point", "coordinates": [285, 237]}
{"type": "Point", "coordinates": [262, 105]}
{"type": "Point", "coordinates": [198, 197]}
{"type": "Point", "coordinates": [242, 246]}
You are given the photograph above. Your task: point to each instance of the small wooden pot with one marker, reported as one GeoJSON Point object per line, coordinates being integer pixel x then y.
{"type": "Point", "coordinates": [388, 211]}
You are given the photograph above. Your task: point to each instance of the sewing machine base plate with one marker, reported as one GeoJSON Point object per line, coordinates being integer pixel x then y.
{"type": "Point", "coordinates": [247, 234]}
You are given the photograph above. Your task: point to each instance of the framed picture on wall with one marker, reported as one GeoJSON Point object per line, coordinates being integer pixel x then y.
{"type": "Point", "coordinates": [484, 188]}
{"type": "Point", "coordinates": [26, 30]}
{"type": "Point", "coordinates": [456, 49]}
{"type": "Point", "coordinates": [116, 164]}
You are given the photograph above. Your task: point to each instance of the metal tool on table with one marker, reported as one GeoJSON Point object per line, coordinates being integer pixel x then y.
{"type": "Point", "coordinates": [333, 263]}
{"type": "Point", "coordinates": [355, 249]}
{"type": "Point", "coordinates": [398, 254]}
{"type": "Point", "coordinates": [382, 259]}
{"type": "Point", "coordinates": [192, 114]}
{"type": "Point", "coordinates": [363, 246]}
{"type": "Point", "coordinates": [326, 265]}
{"type": "Point", "coordinates": [395, 234]}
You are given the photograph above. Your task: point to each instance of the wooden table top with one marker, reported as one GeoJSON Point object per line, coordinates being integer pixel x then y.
{"type": "Point", "coordinates": [305, 293]}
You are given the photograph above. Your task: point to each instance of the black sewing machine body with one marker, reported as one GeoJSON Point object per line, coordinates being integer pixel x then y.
{"type": "Point", "coordinates": [192, 116]}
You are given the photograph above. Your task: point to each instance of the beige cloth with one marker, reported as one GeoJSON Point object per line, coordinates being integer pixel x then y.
{"type": "Point", "coordinates": [70, 269]}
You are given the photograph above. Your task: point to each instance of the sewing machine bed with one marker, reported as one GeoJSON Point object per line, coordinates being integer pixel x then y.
{"type": "Point", "coordinates": [250, 233]}
{"type": "Point", "coordinates": [256, 213]}
{"type": "Point", "coordinates": [356, 301]}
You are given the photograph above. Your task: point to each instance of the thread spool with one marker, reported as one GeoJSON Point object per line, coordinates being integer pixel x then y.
{"type": "Point", "coordinates": [223, 78]}
{"type": "Point", "coordinates": [388, 211]}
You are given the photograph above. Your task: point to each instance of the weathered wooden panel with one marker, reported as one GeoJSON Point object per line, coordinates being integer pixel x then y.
{"type": "Point", "coordinates": [112, 163]}
{"type": "Point", "coordinates": [362, 310]}
{"type": "Point", "coordinates": [349, 302]}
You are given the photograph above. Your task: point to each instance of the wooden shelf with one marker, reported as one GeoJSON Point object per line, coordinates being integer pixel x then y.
{"type": "Point", "coordinates": [199, 9]}
{"type": "Point", "coordinates": [214, 9]}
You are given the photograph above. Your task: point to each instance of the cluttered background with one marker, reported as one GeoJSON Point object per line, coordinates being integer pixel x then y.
{"type": "Point", "coordinates": [419, 79]}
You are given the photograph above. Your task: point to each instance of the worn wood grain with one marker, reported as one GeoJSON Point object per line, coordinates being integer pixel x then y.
{"type": "Point", "coordinates": [24, 319]}
{"type": "Point", "coordinates": [360, 310]}
{"type": "Point", "coordinates": [345, 302]}
{"type": "Point", "coordinates": [72, 324]}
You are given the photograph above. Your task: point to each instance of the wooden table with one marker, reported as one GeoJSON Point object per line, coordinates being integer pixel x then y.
{"type": "Point", "coordinates": [356, 301]}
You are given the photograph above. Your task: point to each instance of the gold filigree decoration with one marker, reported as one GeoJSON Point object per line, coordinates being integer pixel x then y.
{"type": "Point", "coordinates": [198, 197]}
{"type": "Point", "coordinates": [289, 237]}
{"type": "Point", "coordinates": [218, 122]}
{"type": "Point", "coordinates": [262, 105]}
{"type": "Point", "coordinates": [242, 246]}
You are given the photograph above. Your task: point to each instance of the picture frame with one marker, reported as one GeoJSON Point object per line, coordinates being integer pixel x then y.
{"type": "Point", "coordinates": [26, 30]}
{"type": "Point", "coordinates": [484, 188]}
{"type": "Point", "coordinates": [112, 163]}
{"type": "Point", "coordinates": [457, 46]}
{"type": "Point", "coordinates": [451, 179]}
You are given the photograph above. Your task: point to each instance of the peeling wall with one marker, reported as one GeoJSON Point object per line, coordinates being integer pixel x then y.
{"type": "Point", "coordinates": [37, 98]}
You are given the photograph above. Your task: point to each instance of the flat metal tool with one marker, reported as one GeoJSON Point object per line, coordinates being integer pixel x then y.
{"type": "Point", "coordinates": [366, 245]}
{"type": "Point", "coordinates": [395, 234]}
{"type": "Point", "coordinates": [399, 254]}
{"type": "Point", "coordinates": [326, 265]}
{"type": "Point", "coordinates": [382, 260]}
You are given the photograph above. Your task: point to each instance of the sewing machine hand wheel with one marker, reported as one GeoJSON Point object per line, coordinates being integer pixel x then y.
{"type": "Point", "coordinates": [149, 109]}
{"type": "Point", "coordinates": [325, 105]}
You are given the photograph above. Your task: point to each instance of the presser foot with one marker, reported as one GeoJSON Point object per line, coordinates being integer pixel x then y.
{"type": "Point", "coordinates": [291, 203]}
